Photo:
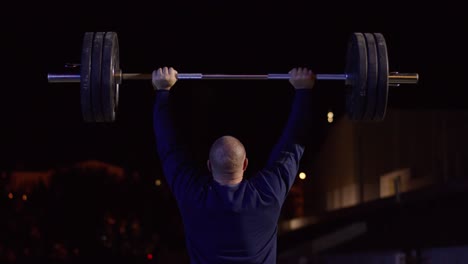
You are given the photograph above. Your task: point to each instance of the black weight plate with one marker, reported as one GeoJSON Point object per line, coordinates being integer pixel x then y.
{"type": "Point", "coordinates": [85, 77]}
{"type": "Point", "coordinates": [110, 67]}
{"type": "Point", "coordinates": [96, 84]}
{"type": "Point", "coordinates": [356, 70]}
{"type": "Point", "coordinates": [372, 77]}
{"type": "Point", "coordinates": [382, 83]}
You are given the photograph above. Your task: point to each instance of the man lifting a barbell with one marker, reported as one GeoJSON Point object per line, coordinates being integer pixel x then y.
{"type": "Point", "coordinates": [229, 219]}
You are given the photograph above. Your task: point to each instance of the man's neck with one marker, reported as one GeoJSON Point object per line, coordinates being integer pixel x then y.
{"type": "Point", "coordinates": [228, 179]}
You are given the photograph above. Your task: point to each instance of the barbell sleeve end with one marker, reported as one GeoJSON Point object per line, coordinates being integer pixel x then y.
{"type": "Point", "coordinates": [403, 78]}
{"type": "Point", "coordinates": [63, 78]}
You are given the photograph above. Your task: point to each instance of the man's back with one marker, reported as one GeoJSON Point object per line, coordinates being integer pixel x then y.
{"type": "Point", "coordinates": [230, 224]}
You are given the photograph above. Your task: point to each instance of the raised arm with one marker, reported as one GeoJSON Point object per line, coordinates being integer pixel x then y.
{"type": "Point", "coordinates": [283, 163]}
{"type": "Point", "coordinates": [176, 163]}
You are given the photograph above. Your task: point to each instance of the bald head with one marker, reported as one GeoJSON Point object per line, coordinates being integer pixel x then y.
{"type": "Point", "coordinates": [227, 156]}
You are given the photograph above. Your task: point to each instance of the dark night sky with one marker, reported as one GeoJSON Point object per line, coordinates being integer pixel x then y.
{"type": "Point", "coordinates": [41, 122]}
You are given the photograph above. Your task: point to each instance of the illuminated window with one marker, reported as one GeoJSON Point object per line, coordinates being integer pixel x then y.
{"type": "Point", "coordinates": [330, 117]}
{"type": "Point", "coordinates": [157, 182]}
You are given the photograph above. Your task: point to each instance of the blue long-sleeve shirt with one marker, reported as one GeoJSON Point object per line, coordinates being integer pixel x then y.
{"type": "Point", "coordinates": [232, 224]}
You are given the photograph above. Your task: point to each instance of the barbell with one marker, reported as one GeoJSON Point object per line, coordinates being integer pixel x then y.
{"type": "Point", "coordinates": [367, 77]}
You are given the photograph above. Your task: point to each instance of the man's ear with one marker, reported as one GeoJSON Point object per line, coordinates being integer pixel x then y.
{"type": "Point", "coordinates": [208, 164]}
{"type": "Point", "coordinates": [246, 163]}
